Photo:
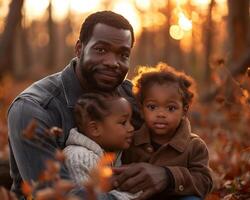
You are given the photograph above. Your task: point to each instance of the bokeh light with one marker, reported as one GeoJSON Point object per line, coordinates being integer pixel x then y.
{"type": "Point", "coordinates": [84, 6]}
{"type": "Point", "coordinates": [143, 5]}
{"type": "Point", "coordinates": [35, 9]}
{"type": "Point", "coordinates": [126, 8]}
{"type": "Point", "coordinates": [176, 32]}
{"type": "Point", "coordinates": [184, 22]}
{"type": "Point", "coordinates": [59, 9]}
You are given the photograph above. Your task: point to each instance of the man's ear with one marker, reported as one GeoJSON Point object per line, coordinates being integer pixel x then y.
{"type": "Point", "coordinates": [78, 48]}
{"type": "Point", "coordinates": [93, 129]}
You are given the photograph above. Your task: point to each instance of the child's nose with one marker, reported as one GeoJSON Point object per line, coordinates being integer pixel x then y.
{"type": "Point", "coordinates": [130, 127]}
{"type": "Point", "coordinates": [162, 113]}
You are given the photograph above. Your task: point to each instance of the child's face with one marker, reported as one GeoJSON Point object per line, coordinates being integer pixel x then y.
{"type": "Point", "coordinates": [116, 130]}
{"type": "Point", "coordinates": [162, 109]}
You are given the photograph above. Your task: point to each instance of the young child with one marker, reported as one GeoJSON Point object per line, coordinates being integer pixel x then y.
{"type": "Point", "coordinates": [103, 125]}
{"type": "Point", "coordinates": [165, 139]}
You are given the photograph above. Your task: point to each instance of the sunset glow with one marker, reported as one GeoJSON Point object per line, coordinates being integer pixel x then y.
{"type": "Point", "coordinates": [60, 9]}
{"type": "Point", "coordinates": [140, 13]}
{"type": "Point", "coordinates": [184, 22]}
{"type": "Point", "coordinates": [176, 32]}
{"type": "Point", "coordinates": [126, 8]}
{"type": "Point", "coordinates": [35, 9]}
{"type": "Point", "coordinates": [84, 6]}
{"type": "Point", "coordinates": [143, 5]}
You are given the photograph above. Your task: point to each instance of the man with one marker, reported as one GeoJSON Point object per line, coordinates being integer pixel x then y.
{"type": "Point", "coordinates": [101, 64]}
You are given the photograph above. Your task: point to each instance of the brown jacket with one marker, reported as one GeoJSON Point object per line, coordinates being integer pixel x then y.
{"type": "Point", "coordinates": [185, 155]}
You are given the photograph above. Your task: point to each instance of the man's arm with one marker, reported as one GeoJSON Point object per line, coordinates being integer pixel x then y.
{"type": "Point", "coordinates": [145, 177]}
{"type": "Point", "coordinates": [194, 180]}
{"type": "Point", "coordinates": [30, 155]}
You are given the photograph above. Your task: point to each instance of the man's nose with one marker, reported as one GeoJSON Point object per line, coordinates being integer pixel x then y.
{"type": "Point", "coordinates": [111, 60]}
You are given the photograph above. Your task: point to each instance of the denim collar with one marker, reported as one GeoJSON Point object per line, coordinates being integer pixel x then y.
{"type": "Point", "coordinates": [71, 85]}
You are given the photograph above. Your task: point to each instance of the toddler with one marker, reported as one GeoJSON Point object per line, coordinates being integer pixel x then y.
{"type": "Point", "coordinates": [164, 96]}
{"type": "Point", "coordinates": [103, 125]}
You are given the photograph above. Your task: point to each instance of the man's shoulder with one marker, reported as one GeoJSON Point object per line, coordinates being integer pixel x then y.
{"type": "Point", "coordinates": [42, 91]}
{"type": "Point", "coordinates": [127, 86]}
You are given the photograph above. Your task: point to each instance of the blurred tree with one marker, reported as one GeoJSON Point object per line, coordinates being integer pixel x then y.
{"type": "Point", "coordinates": [239, 32]}
{"type": "Point", "coordinates": [52, 40]}
{"type": "Point", "coordinates": [208, 41]}
{"type": "Point", "coordinates": [7, 39]}
{"type": "Point", "coordinates": [239, 60]}
{"type": "Point", "coordinates": [238, 21]}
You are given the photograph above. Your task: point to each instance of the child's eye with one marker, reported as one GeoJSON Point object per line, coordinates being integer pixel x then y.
{"type": "Point", "coordinates": [171, 108]}
{"type": "Point", "coordinates": [151, 107]}
{"type": "Point", "coordinates": [123, 122]}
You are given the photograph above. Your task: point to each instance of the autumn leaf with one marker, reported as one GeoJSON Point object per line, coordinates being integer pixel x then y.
{"type": "Point", "coordinates": [29, 131]}
{"type": "Point", "coordinates": [26, 188]}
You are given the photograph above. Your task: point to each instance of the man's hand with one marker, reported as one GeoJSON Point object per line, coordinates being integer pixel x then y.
{"type": "Point", "coordinates": [143, 177]}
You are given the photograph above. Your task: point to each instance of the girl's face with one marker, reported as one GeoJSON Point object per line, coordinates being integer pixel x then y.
{"type": "Point", "coordinates": [116, 130]}
{"type": "Point", "coordinates": [162, 109]}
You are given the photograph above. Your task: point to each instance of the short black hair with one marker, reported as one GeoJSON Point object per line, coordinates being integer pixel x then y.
{"type": "Point", "coordinates": [104, 17]}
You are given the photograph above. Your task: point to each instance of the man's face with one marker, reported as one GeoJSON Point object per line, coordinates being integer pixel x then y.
{"type": "Point", "coordinates": [104, 60]}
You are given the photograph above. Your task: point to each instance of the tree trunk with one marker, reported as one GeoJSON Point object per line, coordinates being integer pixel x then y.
{"type": "Point", "coordinates": [7, 39]}
{"type": "Point", "coordinates": [52, 41]}
{"type": "Point", "coordinates": [208, 42]}
{"type": "Point", "coordinates": [238, 24]}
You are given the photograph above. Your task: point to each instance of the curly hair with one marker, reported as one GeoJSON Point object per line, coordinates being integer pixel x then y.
{"type": "Point", "coordinates": [92, 106]}
{"type": "Point", "coordinates": [105, 17]}
{"type": "Point", "coordinates": [161, 74]}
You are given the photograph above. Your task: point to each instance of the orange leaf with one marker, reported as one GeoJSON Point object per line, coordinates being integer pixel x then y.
{"type": "Point", "coordinates": [29, 131]}
{"type": "Point", "coordinates": [59, 155]}
{"type": "Point", "coordinates": [26, 188]}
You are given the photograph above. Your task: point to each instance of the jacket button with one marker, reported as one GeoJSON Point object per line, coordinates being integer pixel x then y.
{"type": "Point", "coordinates": [181, 188]}
{"type": "Point", "coordinates": [150, 149]}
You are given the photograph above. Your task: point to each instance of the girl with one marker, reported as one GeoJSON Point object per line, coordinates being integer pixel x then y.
{"type": "Point", "coordinates": [164, 96]}
{"type": "Point", "coordinates": [103, 125]}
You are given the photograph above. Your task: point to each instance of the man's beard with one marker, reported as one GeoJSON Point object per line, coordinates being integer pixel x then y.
{"type": "Point", "coordinates": [92, 84]}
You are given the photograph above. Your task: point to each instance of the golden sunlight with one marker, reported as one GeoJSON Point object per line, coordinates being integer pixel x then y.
{"type": "Point", "coordinates": [83, 6]}
{"type": "Point", "coordinates": [176, 32]}
{"type": "Point", "coordinates": [35, 9]}
{"type": "Point", "coordinates": [184, 22]}
{"type": "Point", "coordinates": [126, 8]}
{"type": "Point", "coordinates": [4, 9]}
{"type": "Point", "coordinates": [143, 5]}
{"type": "Point", "coordinates": [153, 19]}
{"type": "Point", "coordinates": [60, 9]}
{"type": "Point", "coordinates": [201, 3]}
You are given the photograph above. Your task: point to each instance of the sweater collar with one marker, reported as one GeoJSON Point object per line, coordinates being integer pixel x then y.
{"type": "Point", "coordinates": [76, 138]}
{"type": "Point", "coordinates": [179, 141]}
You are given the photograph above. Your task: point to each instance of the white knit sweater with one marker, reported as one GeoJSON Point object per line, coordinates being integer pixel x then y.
{"type": "Point", "coordinates": [82, 154]}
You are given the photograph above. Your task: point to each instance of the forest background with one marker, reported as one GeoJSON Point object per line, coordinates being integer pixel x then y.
{"type": "Point", "coordinates": [208, 39]}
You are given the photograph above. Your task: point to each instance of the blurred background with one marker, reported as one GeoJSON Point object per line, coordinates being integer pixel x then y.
{"type": "Point", "coordinates": [208, 39]}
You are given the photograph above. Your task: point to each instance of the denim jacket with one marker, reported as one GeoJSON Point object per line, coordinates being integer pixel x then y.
{"type": "Point", "coordinates": [50, 102]}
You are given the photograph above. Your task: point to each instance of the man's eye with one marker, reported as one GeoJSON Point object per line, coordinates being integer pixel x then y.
{"type": "Point", "coordinates": [125, 56]}
{"type": "Point", "coordinates": [100, 50]}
